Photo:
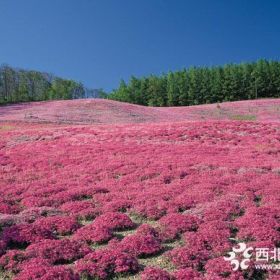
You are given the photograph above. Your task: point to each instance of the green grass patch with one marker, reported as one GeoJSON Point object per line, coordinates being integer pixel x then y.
{"type": "Point", "coordinates": [160, 261]}
{"type": "Point", "coordinates": [243, 117]}
{"type": "Point", "coordinates": [139, 219]}
{"type": "Point", "coordinates": [6, 275]}
{"type": "Point", "coordinates": [6, 127]}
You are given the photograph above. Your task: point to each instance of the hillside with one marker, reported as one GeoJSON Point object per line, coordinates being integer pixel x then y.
{"type": "Point", "coordinates": [120, 191]}
{"type": "Point", "coordinates": [100, 111]}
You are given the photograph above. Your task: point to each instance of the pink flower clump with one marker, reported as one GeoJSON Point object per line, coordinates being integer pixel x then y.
{"type": "Point", "coordinates": [141, 245]}
{"type": "Point", "coordinates": [145, 242]}
{"type": "Point", "coordinates": [114, 221]}
{"type": "Point", "coordinates": [46, 273]}
{"type": "Point", "coordinates": [103, 264]}
{"type": "Point", "coordinates": [217, 268]}
{"type": "Point", "coordinates": [187, 274]}
{"type": "Point", "coordinates": [265, 226]}
{"type": "Point", "coordinates": [58, 251]}
{"type": "Point", "coordinates": [188, 257]}
{"type": "Point", "coordinates": [212, 237]}
{"type": "Point", "coordinates": [80, 209]}
{"type": "Point", "coordinates": [152, 273]}
{"type": "Point", "coordinates": [31, 214]}
{"type": "Point", "coordinates": [58, 224]}
{"type": "Point", "coordinates": [25, 234]}
{"type": "Point", "coordinates": [175, 224]}
{"type": "Point", "coordinates": [94, 233]}
{"type": "Point", "coordinates": [12, 259]}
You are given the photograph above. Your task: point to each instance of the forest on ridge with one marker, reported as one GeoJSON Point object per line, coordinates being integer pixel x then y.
{"type": "Point", "coordinates": [19, 85]}
{"type": "Point", "coordinates": [192, 86]}
{"type": "Point", "coordinates": [203, 85]}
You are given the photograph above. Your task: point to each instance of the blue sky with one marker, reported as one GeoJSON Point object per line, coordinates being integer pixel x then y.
{"type": "Point", "coordinates": [98, 42]}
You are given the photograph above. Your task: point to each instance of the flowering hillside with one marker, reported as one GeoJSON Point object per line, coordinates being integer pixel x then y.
{"type": "Point", "coordinates": [100, 111]}
{"type": "Point", "coordinates": [158, 200]}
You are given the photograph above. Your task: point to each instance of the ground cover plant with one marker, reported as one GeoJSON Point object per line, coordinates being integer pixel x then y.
{"type": "Point", "coordinates": [159, 200]}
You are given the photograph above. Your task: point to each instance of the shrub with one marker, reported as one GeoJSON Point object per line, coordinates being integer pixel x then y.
{"type": "Point", "coordinates": [58, 224]}
{"type": "Point", "coordinates": [265, 226]}
{"type": "Point", "coordinates": [175, 224]}
{"type": "Point", "coordinates": [114, 221]}
{"type": "Point", "coordinates": [106, 263]}
{"type": "Point", "coordinates": [29, 264]}
{"type": "Point", "coordinates": [80, 209]}
{"type": "Point", "coordinates": [120, 205]}
{"type": "Point", "coordinates": [186, 274]}
{"type": "Point", "coordinates": [146, 230]}
{"type": "Point", "coordinates": [151, 273]}
{"type": "Point", "coordinates": [141, 245]}
{"type": "Point", "coordinates": [145, 242]}
{"type": "Point", "coordinates": [218, 268]}
{"type": "Point", "coordinates": [46, 273]}
{"type": "Point", "coordinates": [29, 215]}
{"type": "Point", "coordinates": [24, 234]}
{"type": "Point", "coordinates": [152, 208]}
{"type": "Point", "coordinates": [189, 257]}
{"type": "Point", "coordinates": [212, 236]}
{"type": "Point", "coordinates": [7, 208]}
{"type": "Point", "coordinates": [12, 259]}
{"type": "Point", "coordinates": [93, 233]}
{"type": "Point", "coordinates": [58, 251]}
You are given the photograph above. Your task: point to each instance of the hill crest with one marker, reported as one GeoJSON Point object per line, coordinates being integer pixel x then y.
{"type": "Point", "coordinates": [101, 111]}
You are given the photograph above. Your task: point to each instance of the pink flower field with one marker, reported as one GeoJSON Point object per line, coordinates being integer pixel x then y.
{"type": "Point", "coordinates": [100, 111]}
{"type": "Point", "coordinates": [106, 190]}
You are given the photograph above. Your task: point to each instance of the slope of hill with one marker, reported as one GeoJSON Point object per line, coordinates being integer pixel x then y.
{"type": "Point", "coordinates": [100, 111]}
{"type": "Point", "coordinates": [110, 201]}
{"type": "Point", "coordinates": [147, 191]}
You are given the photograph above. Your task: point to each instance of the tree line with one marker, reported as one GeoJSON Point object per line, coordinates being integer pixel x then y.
{"type": "Point", "coordinates": [202, 85]}
{"type": "Point", "coordinates": [17, 85]}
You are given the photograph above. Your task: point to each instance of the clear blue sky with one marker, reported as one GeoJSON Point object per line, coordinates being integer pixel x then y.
{"type": "Point", "coordinates": [98, 42]}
